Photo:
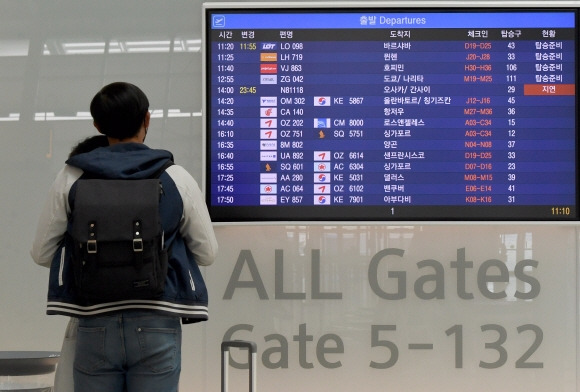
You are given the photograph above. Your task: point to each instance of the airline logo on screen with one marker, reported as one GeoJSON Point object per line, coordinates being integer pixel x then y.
{"type": "Point", "coordinates": [321, 200]}
{"type": "Point", "coordinates": [322, 184]}
{"type": "Point", "coordinates": [321, 123]}
{"type": "Point", "coordinates": [268, 134]}
{"type": "Point", "coordinates": [321, 178]}
{"type": "Point", "coordinates": [269, 45]}
{"type": "Point", "coordinates": [268, 79]}
{"type": "Point", "coordinates": [321, 101]}
{"type": "Point", "coordinates": [268, 68]}
{"type": "Point", "coordinates": [321, 167]}
{"type": "Point", "coordinates": [268, 101]}
{"type": "Point", "coordinates": [269, 56]}
{"type": "Point", "coordinates": [268, 112]}
{"type": "Point", "coordinates": [268, 144]}
{"type": "Point", "coordinates": [268, 189]}
{"type": "Point", "coordinates": [266, 200]}
{"type": "Point", "coordinates": [268, 123]}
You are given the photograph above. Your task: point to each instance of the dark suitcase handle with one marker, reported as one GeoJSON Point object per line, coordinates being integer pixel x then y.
{"type": "Point", "coordinates": [252, 353]}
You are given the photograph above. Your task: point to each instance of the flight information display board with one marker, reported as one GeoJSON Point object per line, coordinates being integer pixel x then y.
{"type": "Point", "coordinates": [336, 114]}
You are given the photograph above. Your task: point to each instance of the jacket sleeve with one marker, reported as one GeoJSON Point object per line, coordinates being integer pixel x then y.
{"type": "Point", "coordinates": [53, 218]}
{"type": "Point", "coordinates": [195, 226]}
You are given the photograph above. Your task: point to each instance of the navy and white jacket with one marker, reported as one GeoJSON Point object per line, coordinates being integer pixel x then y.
{"type": "Point", "coordinates": [185, 219]}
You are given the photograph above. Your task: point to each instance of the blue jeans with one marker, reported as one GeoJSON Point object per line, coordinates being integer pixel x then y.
{"type": "Point", "coordinates": [132, 351]}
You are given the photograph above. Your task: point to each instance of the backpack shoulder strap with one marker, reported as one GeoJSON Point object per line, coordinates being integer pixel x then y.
{"type": "Point", "coordinates": [160, 171]}
{"type": "Point", "coordinates": [156, 174]}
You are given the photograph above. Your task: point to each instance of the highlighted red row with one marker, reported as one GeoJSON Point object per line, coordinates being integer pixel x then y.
{"type": "Point", "coordinates": [549, 89]}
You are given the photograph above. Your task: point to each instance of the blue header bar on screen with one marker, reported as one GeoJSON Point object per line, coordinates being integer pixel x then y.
{"type": "Point", "coordinates": [317, 19]}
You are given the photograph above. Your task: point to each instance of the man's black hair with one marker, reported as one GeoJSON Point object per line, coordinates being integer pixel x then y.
{"type": "Point", "coordinates": [89, 144]}
{"type": "Point", "coordinates": [119, 110]}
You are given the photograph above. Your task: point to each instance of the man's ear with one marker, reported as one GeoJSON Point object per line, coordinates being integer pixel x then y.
{"type": "Point", "coordinates": [97, 126]}
{"type": "Point", "coordinates": [147, 119]}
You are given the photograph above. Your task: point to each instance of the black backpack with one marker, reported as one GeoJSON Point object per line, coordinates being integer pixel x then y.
{"type": "Point", "coordinates": [119, 251]}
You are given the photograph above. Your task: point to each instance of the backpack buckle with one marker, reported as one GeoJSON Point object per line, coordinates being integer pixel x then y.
{"type": "Point", "coordinates": [137, 245]}
{"type": "Point", "coordinates": [92, 246]}
{"type": "Point", "coordinates": [92, 243]}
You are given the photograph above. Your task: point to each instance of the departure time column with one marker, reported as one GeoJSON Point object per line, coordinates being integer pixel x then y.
{"type": "Point", "coordinates": [224, 124]}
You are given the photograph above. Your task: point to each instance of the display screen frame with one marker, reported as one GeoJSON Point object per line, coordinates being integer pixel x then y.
{"type": "Point", "coordinates": [373, 213]}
